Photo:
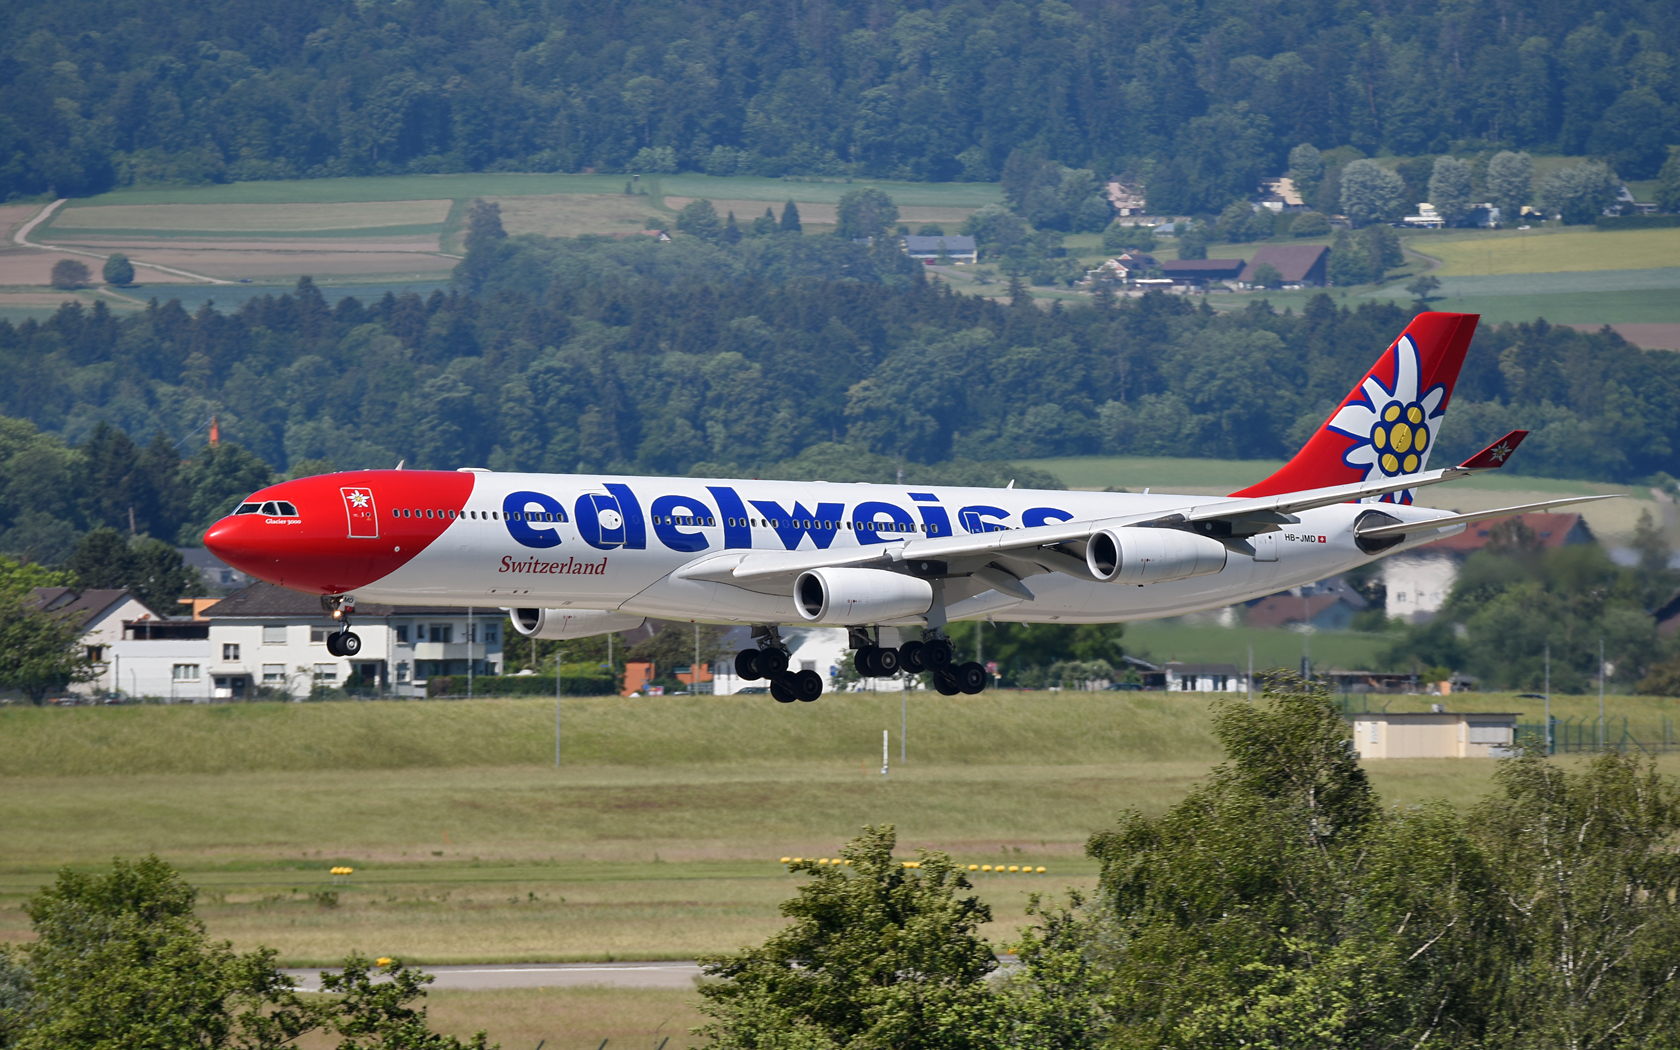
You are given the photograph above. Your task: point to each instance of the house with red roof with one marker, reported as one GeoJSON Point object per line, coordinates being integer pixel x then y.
{"type": "Point", "coordinates": [1419, 580]}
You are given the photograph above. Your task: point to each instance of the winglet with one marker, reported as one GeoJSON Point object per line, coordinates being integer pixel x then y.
{"type": "Point", "coordinates": [1494, 456]}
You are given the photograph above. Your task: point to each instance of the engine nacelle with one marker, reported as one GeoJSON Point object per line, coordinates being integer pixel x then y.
{"type": "Point", "coordinates": [557, 625]}
{"type": "Point", "coordinates": [857, 596]}
{"type": "Point", "coordinates": [1152, 555]}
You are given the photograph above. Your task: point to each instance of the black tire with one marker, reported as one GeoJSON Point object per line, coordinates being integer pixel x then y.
{"type": "Point", "coordinates": [886, 663]}
{"type": "Point", "coordinates": [910, 657]}
{"type": "Point", "coordinates": [771, 662]}
{"type": "Point", "coordinates": [332, 644]}
{"type": "Point", "coordinates": [864, 661]}
{"type": "Point", "coordinates": [746, 665]}
{"type": "Point", "coordinates": [971, 677]}
{"type": "Point", "coordinates": [938, 654]}
{"type": "Point", "coordinates": [807, 686]}
{"type": "Point", "coordinates": [779, 689]}
{"type": "Point", "coordinates": [946, 682]}
{"type": "Point", "coordinates": [349, 643]}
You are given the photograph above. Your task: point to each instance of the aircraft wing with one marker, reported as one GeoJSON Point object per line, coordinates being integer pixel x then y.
{"type": "Point", "coordinates": [1227, 520]}
{"type": "Point", "coordinates": [1405, 527]}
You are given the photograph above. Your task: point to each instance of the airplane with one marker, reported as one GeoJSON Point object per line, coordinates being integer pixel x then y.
{"type": "Point", "coordinates": [574, 555]}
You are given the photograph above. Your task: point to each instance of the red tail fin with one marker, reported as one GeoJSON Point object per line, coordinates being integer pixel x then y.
{"type": "Point", "coordinates": [1388, 424]}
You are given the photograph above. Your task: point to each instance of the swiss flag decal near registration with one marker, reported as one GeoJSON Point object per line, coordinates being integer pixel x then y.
{"type": "Point", "coordinates": [364, 518]}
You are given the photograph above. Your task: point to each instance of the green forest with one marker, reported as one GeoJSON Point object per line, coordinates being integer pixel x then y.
{"type": "Point", "coordinates": [1196, 99]}
{"type": "Point", "coordinates": [775, 354]}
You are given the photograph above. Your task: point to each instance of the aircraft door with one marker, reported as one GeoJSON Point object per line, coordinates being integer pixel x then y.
{"type": "Point", "coordinates": [1265, 546]}
{"type": "Point", "coordinates": [600, 520]}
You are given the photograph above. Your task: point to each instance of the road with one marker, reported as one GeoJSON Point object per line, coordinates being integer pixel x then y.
{"type": "Point", "coordinates": [543, 975]}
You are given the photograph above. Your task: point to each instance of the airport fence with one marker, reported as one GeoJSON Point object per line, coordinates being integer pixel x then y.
{"type": "Point", "coordinates": [1584, 734]}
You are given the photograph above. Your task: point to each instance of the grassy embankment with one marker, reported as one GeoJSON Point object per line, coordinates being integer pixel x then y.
{"type": "Point", "coordinates": [658, 838]}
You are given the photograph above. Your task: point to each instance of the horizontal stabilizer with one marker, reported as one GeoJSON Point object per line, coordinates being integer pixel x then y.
{"type": "Point", "coordinates": [1494, 456]}
{"type": "Point", "coordinates": [1404, 527]}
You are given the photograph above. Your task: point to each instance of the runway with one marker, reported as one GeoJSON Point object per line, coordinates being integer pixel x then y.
{"type": "Point", "coordinates": [542, 975]}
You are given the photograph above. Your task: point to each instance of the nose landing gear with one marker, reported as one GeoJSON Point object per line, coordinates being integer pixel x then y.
{"type": "Point", "coordinates": [343, 642]}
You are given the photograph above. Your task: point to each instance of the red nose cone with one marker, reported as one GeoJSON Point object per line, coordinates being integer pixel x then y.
{"type": "Point", "coordinates": [349, 529]}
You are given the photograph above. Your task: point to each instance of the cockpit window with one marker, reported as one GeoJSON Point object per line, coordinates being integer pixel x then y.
{"type": "Point", "coordinates": [271, 508]}
{"type": "Point", "coordinates": [248, 508]}
{"type": "Point", "coordinates": [288, 510]}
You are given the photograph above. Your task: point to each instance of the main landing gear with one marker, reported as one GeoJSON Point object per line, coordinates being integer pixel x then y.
{"type": "Point", "coordinates": [933, 654]}
{"type": "Point", "coordinates": [770, 661]}
{"type": "Point", "coordinates": [344, 641]}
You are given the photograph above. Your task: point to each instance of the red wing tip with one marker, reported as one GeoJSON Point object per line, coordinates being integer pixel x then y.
{"type": "Point", "coordinates": [1496, 454]}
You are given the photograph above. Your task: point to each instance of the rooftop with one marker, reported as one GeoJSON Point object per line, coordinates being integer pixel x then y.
{"type": "Point", "coordinates": [1293, 262]}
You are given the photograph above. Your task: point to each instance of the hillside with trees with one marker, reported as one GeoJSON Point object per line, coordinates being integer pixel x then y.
{"type": "Point", "coordinates": [776, 355]}
{"type": "Point", "coordinates": [1197, 100]}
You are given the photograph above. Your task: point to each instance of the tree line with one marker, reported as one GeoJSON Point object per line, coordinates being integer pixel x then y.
{"type": "Point", "coordinates": [1195, 100]}
{"type": "Point", "coordinates": [809, 356]}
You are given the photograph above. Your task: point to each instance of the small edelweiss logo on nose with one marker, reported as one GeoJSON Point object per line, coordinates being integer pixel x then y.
{"type": "Point", "coordinates": [359, 499]}
{"type": "Point", "coordinates": [1393, 427]}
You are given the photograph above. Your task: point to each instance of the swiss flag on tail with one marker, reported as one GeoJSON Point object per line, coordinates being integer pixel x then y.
{"type": "Point", "coordinates": [1389, 423]}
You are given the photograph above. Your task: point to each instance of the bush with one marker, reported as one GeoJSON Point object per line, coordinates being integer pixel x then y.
{"type": "Point", "coordinates": [68, 274]}
{"type": "Point", "coordinates": [1267, 276]}
{"type": "Point", "coordinates": [118, 270]}
{"type": "Point", "coordinates": [1118, 238]}
{"type": "Point", "coordinates": [1310, 224]}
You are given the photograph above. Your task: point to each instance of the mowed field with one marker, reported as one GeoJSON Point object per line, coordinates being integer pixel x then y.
{"type": "Point", "coordinates": [659, 837]}
{"type": "Point", "coordinates": [384, 231]}
{"type": "Point", "coordinates": [1611, 520]}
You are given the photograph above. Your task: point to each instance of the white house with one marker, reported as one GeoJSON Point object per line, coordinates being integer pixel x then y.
{"type": "Point", "coordinates": [268, 637]}
{"type": "Point", "coordinates": [137, 667]}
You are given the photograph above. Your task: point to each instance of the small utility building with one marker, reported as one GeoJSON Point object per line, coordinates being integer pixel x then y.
{"type": "Point", "coordinates": [1434, 734]}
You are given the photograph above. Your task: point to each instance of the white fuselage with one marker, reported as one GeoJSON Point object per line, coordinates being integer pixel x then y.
{"type": "Point", "coordinates": [623, 538]}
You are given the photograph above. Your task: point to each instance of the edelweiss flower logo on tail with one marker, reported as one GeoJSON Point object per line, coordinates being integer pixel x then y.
{"type": "Point", "coordinates": [1393, 428]}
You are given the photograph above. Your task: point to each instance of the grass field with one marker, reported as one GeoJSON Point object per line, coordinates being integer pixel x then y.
{"type": "Point", "coordinates": [269, 218]}
{"type": "Point", "coordinates": [1550, 250]}
{"type": "Point", "coordinates": [567, 1018]}
{"type": "Point", "coordinates": [659, 836]}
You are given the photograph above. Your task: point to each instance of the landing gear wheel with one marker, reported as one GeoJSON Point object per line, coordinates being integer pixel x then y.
{"type": "Point", "coordinates": [349, 643]}
{"type": "Point", "coordinates": [886, 663]}
{"type": "Point", "coordinates": [911, 656]}
{"type": "Point", "coordinates": [746, 665]}
{"type": "Point", "coordinates": [938, 654]}
{"type": "Point", "coordinates": [779, 689]}
{"type": "Point", "coordinates": [946, 682]}
{"type": "Point", "coordinates": [864, 661]}
{"type": "Point", "coordinates": [971, 678]}
{"type": "Point", "coordinates": [807, 686]}
{"type": "Point", "coordinates": [772, 662]}
{"type": "Point", "coordinates": [332, 645]}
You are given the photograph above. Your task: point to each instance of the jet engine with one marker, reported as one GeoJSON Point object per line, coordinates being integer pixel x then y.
{"type": "Point", "coordinates": [1137, 555]}
{"type": "Point", "coordinates": [855, 596]}
{"type": "Point", "coordinates": [555, 625]}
